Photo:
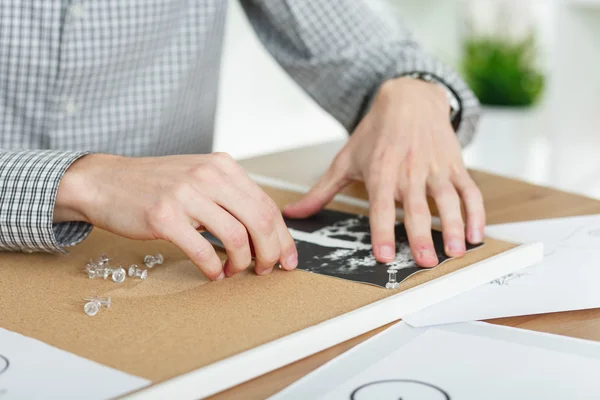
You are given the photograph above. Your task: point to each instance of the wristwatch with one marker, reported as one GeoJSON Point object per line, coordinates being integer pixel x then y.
{"type": "Point", "coordinates": [453, 100]}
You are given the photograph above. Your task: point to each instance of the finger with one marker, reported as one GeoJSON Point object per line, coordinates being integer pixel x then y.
{"type": "Point", "coordinates": [289, 254]}
{"type": "Point", "coordinates": [229, 230]}
{"type": "Point", "coordinates": [320, 194]}
{"type": "Point", "coordinates": [448, 205]}
{"type": "Point", "coordinates": [382, 216]}
{"type": "Point", "coordinates": [198, 249]}
{"type": "Point", "coordinates": [258, 220]}
{"type": "Point", "coordinates": [417, 220]}
{"type": "Point", "coordinates": [474, 207]}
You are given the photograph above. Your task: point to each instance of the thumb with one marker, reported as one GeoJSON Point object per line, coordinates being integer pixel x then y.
{"type": "Point", "coordinates": [319, 195]}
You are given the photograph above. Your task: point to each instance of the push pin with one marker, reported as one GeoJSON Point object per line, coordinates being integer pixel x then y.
{"type": "Point", "coordinates": [135, 271]}
{"type": "Point", "coordinates": [91, 266]}
{"type": "Point", "coordinates": [118, 274]}
{"type": "Point", "coordinates": [95, 271]}
{"type": "Point", "coordinates": [151, 261]}
{"type": "Point", "coordinates": [94, 305]}
{"type": "Point", "coordinates": [103, 260]}
{"type": "Point", "coordinates": [392, 283]}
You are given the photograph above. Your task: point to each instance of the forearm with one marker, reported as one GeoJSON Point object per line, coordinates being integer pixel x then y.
{"type": "Point", "coordinates": [29, 182]}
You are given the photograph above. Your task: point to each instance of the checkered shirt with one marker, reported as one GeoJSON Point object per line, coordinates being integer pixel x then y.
{"type": "Point", "coordinates": [140, 78]}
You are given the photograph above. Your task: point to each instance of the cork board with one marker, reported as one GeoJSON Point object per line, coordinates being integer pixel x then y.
{"type": "Point", "coordinates": [176, 321]}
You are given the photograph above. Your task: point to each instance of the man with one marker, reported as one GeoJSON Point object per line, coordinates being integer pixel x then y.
{"type": "Point", "coordinates": [107, 111]}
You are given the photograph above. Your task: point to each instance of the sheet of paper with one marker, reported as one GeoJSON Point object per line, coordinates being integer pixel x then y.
{"type": "Point", "coordinates": [567, 279]}
{"type": "Point", "coordinates": [469, 361]}
{"type": "Point", "coordinates": [338, 244]}
{"type": "Point", "coordinates": [30, 369]}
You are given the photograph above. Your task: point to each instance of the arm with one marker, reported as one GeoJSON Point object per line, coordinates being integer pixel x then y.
{"type": "Point", "coordinates": [403, 145]}
{"type": "Point", "coordinates": [29, 182]}
{"type": "Point", "coordinates": [341, 52]}
{"type": "Point", "coordinates": [51, 199]}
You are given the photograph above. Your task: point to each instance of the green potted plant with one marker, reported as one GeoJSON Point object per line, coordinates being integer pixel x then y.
{"type": "Point", "coordinates": [501, 71]}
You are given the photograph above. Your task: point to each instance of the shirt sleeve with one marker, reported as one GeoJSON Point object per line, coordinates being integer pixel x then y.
{"type": "Point", "coordinates": [28, 184]}
{"type": "Point", "coordinates": [340, 51]}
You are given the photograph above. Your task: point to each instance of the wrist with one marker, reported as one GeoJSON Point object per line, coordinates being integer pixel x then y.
{"type": "Point", "coordinates": [451, 97]}
{"type": "Point", "coordinates": [408, 83]}
{"type": "Point", "coordinates": [78, 190]}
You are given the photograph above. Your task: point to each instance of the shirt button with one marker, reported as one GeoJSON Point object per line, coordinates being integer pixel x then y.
{"type": "Point", "coordinates": [70, 107]}
{"type": "Point", "coordinates": [77, 11]}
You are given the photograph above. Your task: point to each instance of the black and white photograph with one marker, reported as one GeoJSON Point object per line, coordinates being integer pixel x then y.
{"type": "Point", "coordinates": [338, 244]}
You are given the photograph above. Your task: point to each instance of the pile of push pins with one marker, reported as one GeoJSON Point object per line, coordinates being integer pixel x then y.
{"type": "Point", "coordinates": [102, 269]}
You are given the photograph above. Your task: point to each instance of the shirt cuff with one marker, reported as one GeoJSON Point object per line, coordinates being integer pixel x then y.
{"type": "Point", "coordinates": [68, 234]}
{"type": "Point", "coordinates": [29, 181]}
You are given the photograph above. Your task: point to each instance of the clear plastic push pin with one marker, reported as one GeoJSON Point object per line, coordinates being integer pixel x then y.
{"type": "Point", "coordinates": [392, 283]}
{"type": "Point", "coordinates": [119, 275]}
{"type": "Point", "coordinates": [96, 271]}
{"type": "Point", "coordinates": [91, 268]}
{"type": "Point", "coordinates": [101, 263]}
{"type": "Point", "coordinates": [91, 308]}
{"type": "Point", "coordinates": [135, 271]}
{"type": "Point", "coordinates": [151, 261]}
{"type": "Point", "coordinates": [103, 260]}
{"type": "Point", "coordinates": [94, 305]}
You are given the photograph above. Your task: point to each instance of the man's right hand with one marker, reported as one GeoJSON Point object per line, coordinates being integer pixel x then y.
{"type": "Point", "coordinates": [173, 197]}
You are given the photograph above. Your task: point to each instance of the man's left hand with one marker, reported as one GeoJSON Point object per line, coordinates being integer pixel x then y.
{"type": "Point", "coordinates": [405, 149]}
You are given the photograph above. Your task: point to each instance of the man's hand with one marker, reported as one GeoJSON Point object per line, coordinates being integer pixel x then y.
{"type": "Point", "coordinates": [171, 198]}
{"type": "Point", "coordinates": [404, 149]}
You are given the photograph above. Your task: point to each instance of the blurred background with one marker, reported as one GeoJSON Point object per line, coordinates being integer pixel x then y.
{"type": "Point", "coordinates": [534, 64]}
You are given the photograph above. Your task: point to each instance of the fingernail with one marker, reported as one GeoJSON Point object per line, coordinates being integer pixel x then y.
{"type": "Point", "coordinates": [290, 205]}
{"type": "Point", "coordinates": [456, 246]}
{"type": "Point", "coordinates": [266, 271]}
{"type": "Point", "coordinates": [386, 251]}
{"type": "Point", "coordinates": [292, 261]}
{"type": "Point", "coordinates": [427, 255]}
{"type": "Point", "coordinates": [222, 276]}
{"type": "Point", "coordinates": [476, 236]}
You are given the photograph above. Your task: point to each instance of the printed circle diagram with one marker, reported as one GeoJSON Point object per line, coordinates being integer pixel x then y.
{"type": "Point", "coordinates": [399, 389]}
{"type": "Point", "coordinates": [4, 363]}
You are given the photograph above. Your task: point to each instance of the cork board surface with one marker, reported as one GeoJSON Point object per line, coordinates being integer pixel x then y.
{"type": "Point", "coordinates": [176, 321]}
